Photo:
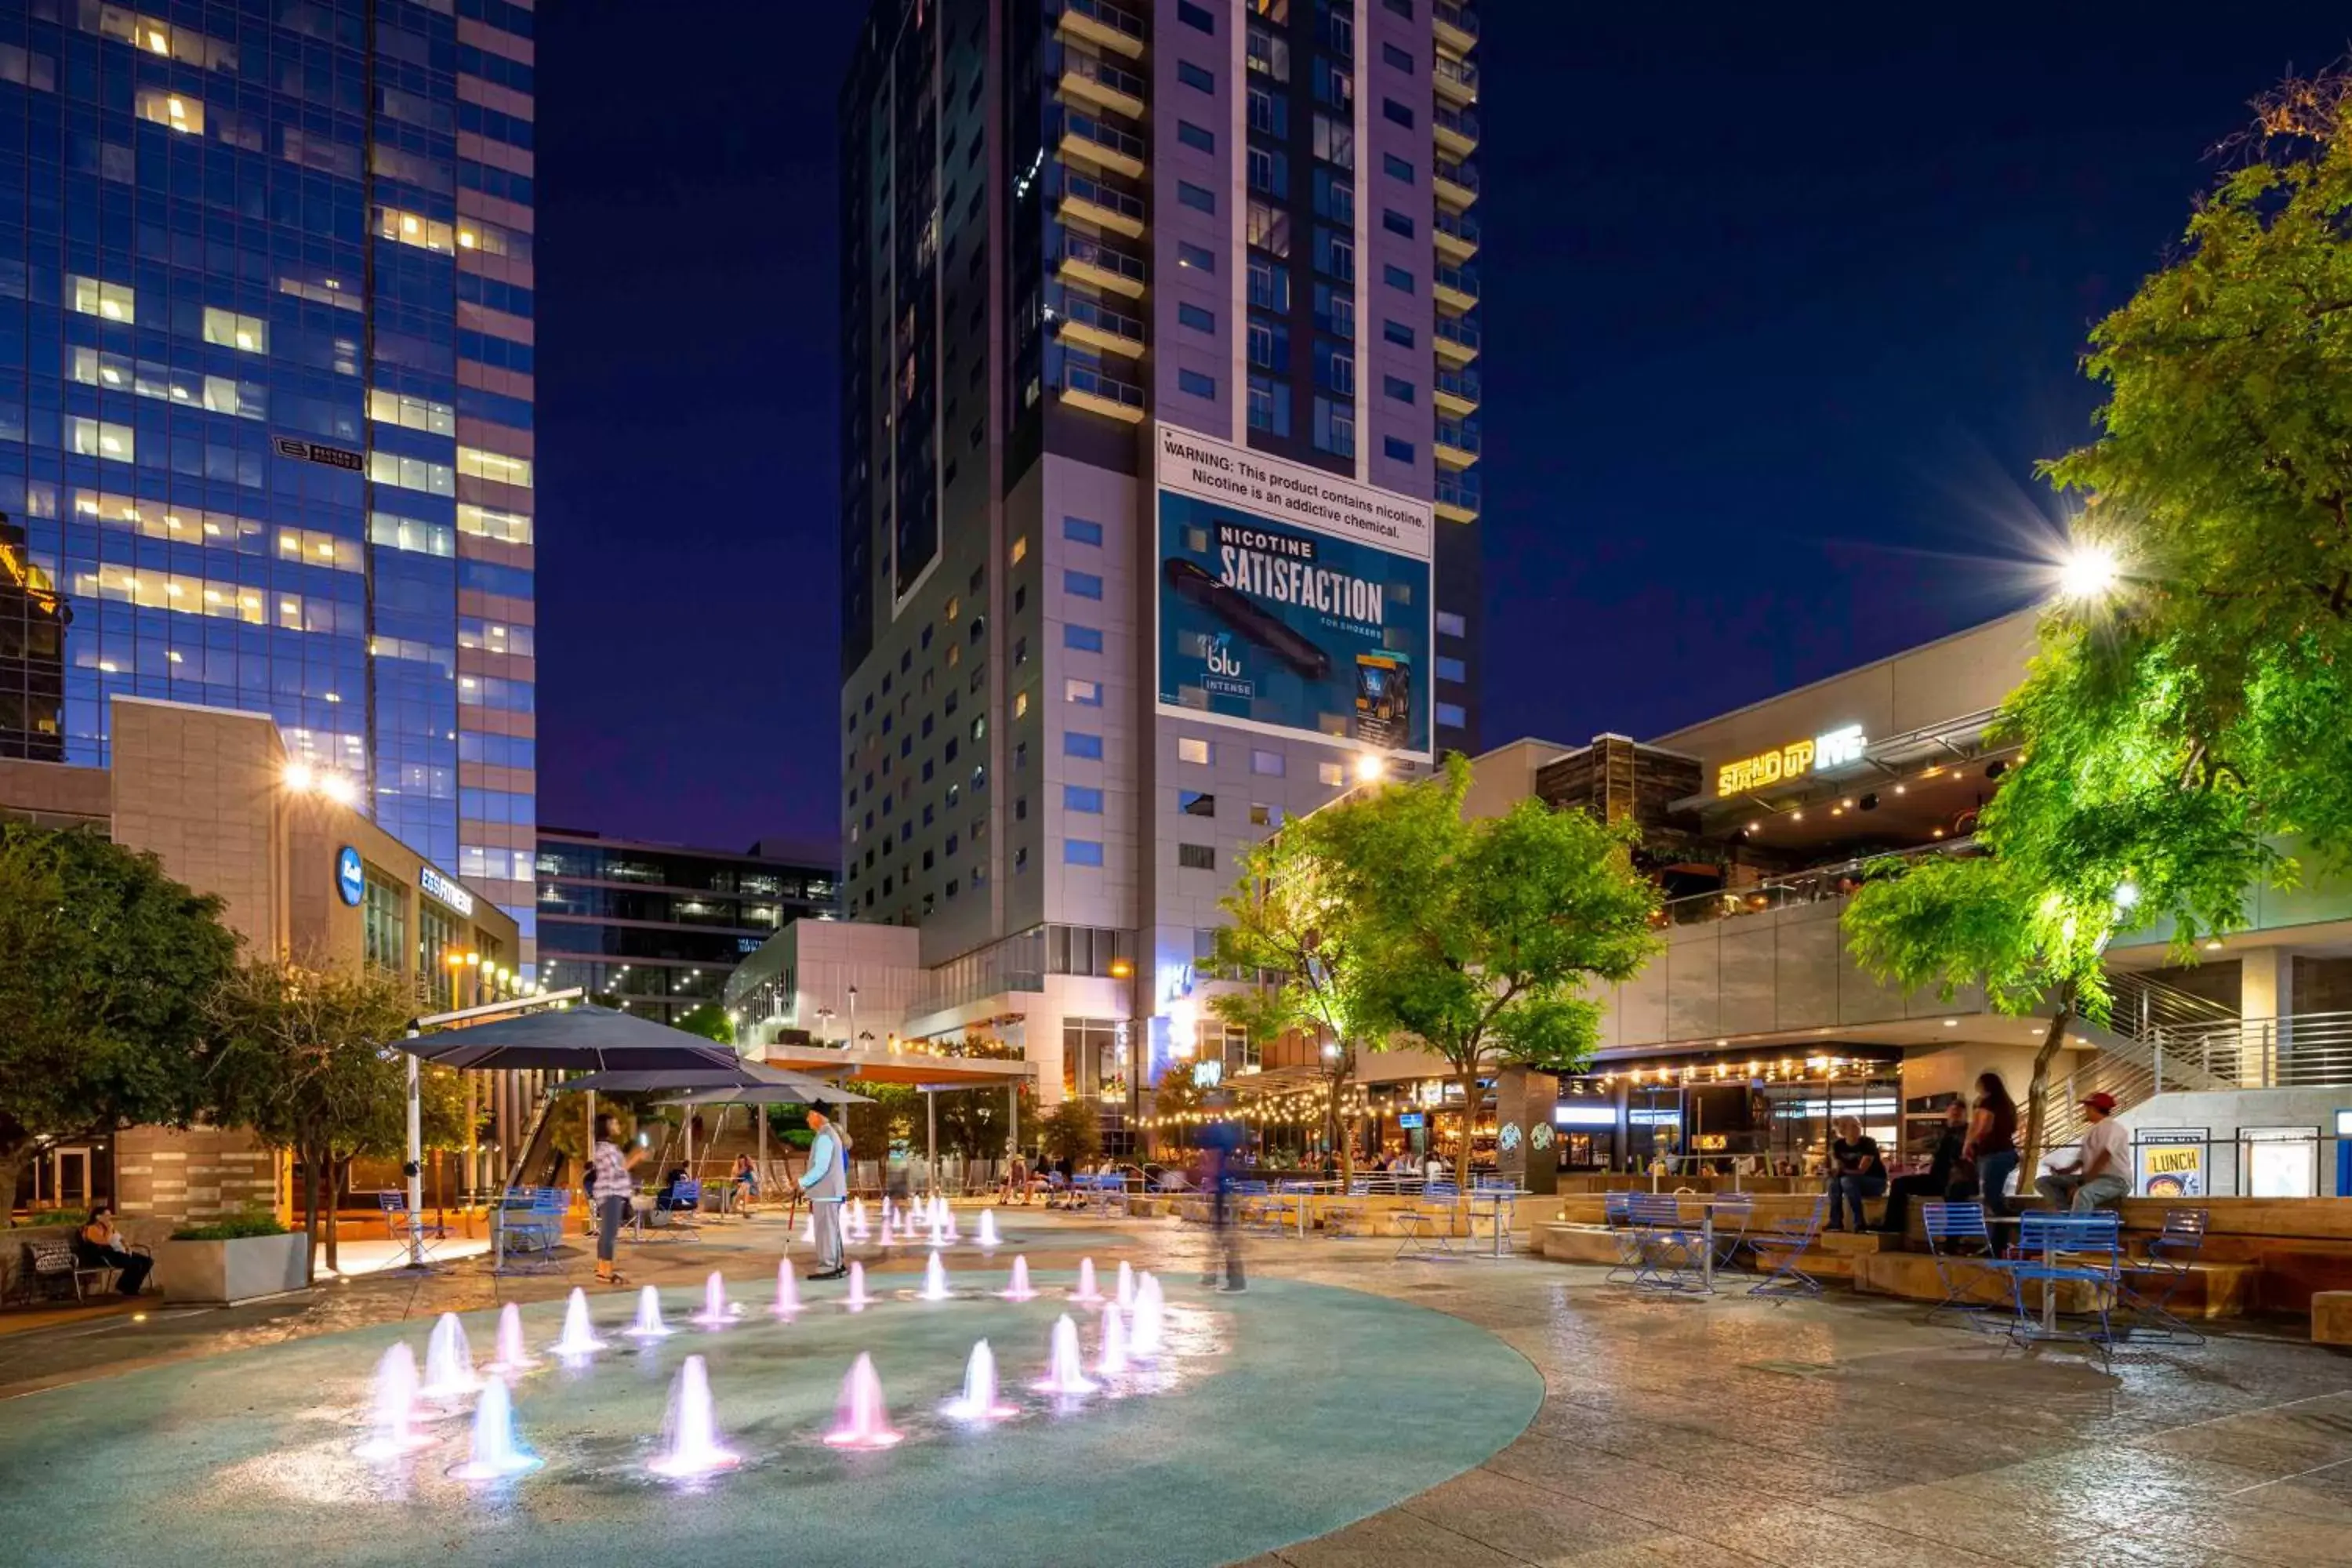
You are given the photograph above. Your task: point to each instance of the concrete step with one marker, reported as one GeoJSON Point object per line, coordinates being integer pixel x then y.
{"type": "Point", "coordinates": [2211, 1291]}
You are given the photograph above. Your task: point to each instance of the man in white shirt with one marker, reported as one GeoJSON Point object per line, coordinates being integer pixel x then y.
{"type": "Point", "coordinates": [2103, 1174]}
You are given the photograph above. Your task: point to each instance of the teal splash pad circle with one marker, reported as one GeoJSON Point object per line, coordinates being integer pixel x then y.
{"type": "Point", "coordinates": [1274, 1417]}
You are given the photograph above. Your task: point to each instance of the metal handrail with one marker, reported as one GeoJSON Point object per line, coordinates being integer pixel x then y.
{"type": "Point", "coordinates": [1093, 68]}
{"type": "Point", "coordinates": [1459, 489]}
{"type": "Point", "coordinates": [1084, 188]}
{"type": "Point", "coordinates": [1455, 17]}
{"type": "Point", "coordinates": [1837, 881]}
{"type": "Point", "coordinates": [1462, 383]}
{"type": "Point", "coordinates": [1461, 71]}
{"type": "Point", "coordinates": [1118, 19]}
{"type": "Point", "coordinates": [1462, 120]}
{"type": "Point", "coordinates": [1461, 437]}
{"type": "Point", "coordinates": [1094, 253]}
{"type": "Point", "coordinates": [2301, 1050]}
{"type": "Point", "coordinates": [1079, 309]}
{"type": "Point", "coordinates": [1457, 329]}
{"type": "Point", "coordinates": [1086, 378]}
{"type": "Point", "coordinates": [1462, 175]}
{"type": "Point", "coordinates": [1461, 225]}
{"type": "Point", "coordinates": [1462, 280]}
{"type": "Point", "coordinates": [1102, 133]}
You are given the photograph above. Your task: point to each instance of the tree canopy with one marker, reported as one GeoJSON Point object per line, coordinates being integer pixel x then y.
{"type": "Point", "coordinates": [106, 965]}
{"type": "Point", "coordinates": [1479, 938]}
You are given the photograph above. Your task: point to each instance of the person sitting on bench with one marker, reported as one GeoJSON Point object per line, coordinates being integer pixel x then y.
{"type": "Point", "coordinates": [1937, 1181]}
{"type": "Point", "coordinates": [97, 1244]}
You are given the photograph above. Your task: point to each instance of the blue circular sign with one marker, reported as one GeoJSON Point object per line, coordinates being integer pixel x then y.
{"type": "Point", "coordinates": [351, 880]}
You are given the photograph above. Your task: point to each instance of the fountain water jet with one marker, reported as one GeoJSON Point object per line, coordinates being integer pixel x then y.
{"type": "Point", "coordinates": [495, 1454]}
{"type": "Point", "coordinates": [857, 1231]}
{"type": "Point", "coordinates": [579, 1338]}
{"type": "Point", "coordinates": [1086, 1295]}
{"type": "Point", "coordinates": [788, 1290]}
{"type": "Point", "coordinates": [649, 1324]}
{"type": "Point", "coordinates": [513, 1356]}
{"type": "Point", "coordinates": [855, 1299]}
{"type": "Point", "coordinates": [1110, 1349]}
{"type": "Point", "coordinates": [396, 1408]}
{"type": "Point", "coordinates": [988, 1239]}
{"type": "Point", "coordinates": [1019, 1290]}
{"type": "Point", "coordinates": [864, 1424]}
{"type": "Point", "coordinates": [716, 1313]}
{"type": "Point", "coordinates": [1149, 1334]}
{"type": "Point", "coordinates": [808, 1230]}
{"type": "Point", "coordinates": [449, 1361]}
{"type": "Point", "coordinates": [692, 1428]}
{"type": "Point", "coordinates": [935, 1279]}
{"type": "Point", "coordinates": [980, 1401]}
{"type": "Point", "coordinates": [1065, 1372]}
{"type": "Point", "coordinates": [1126, 1284]}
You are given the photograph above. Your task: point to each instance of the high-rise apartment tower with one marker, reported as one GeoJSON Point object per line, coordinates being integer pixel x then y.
{"type": "Point", "coordinates": [1158, 461]}
{"type": "Point", "coordinates": [266, 381]}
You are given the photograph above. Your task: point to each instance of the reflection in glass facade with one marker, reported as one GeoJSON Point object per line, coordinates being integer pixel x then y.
{"type": "Point", "coordinates": [265, 384]}
{"type": "Point", "coordinates": [660, 926]}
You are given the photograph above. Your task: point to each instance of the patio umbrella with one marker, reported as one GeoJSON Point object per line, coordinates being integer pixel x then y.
{"type": "Point", "coordinates": [799, 1091]}
{"type": "Point", "coordinates": [581, 1040]}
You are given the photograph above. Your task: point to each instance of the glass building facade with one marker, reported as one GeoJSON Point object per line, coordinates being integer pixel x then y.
{"type": "Point", "coordinates": [660, 927]}
{"type": "Point", "coordinates": [265, 385]}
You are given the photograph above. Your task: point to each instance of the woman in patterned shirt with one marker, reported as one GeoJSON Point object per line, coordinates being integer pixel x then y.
{"type": "Point", "coordinates": [610, 1184]}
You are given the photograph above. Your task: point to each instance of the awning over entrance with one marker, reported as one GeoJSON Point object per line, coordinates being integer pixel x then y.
{"type": "Point", "coordinates": [918, 1068]}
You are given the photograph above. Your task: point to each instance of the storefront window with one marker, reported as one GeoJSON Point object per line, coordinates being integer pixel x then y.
{"type": "Point", "coordinates": [1095, 1058]}
{"type": "Point", "coordinates": [383, 923]}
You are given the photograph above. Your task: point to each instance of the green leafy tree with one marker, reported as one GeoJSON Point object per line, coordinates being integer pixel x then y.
{"type": "Point", "coordinates": [1072, 1132]}
{"type": "Point", "coordinates": [1287, 923]}
{"type": "Point", "coordinates": [1477, 938]}
{"type": "Point", "coordinates": [710, 1021]}
{"type": "Point", "coordinates": [2183, 722]}
{"type": "Point", "coordinates": [107, 968]}
{"type": "Point", "coordinates": [309, 1058]}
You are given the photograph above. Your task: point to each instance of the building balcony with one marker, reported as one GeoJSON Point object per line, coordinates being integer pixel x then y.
{"type": "Point", "coordinates": [1457, 497]}
{"type": "Point", "coordinates": [1103, 144]}
{"type": "Point", "coordinates": [1105, 207]}
{"type": "Point", "coordinates": [1456, 130]}
{"type": "Point", "coordinates": [1091, 79]}
{"type": "Point", "coordinates": [1098, 266]}
{"type": "Point", "coordinates": [1456, 445]}
{"type": "Point", "coordinates": [1095, 325]}
{"type": "Point", "coordinates": [1456, 186]}
{"type": "Point", "coordinates": [1457, 393]}
{"type": "Point", "coordinates": [1456, 82]}
{"type": "Point", "coordinates": [1456, 26]}
{"type": "Point", "coordinates": [1456, 288]}
{"type": "Point", "coordinates": [1457, 235]}
{"type": "Point", "coordinates": [1083, 386]}
{"type": "Point", "coordinates": [1456, 339]}
{"type": "Point", "coordinates": [1105, 25]}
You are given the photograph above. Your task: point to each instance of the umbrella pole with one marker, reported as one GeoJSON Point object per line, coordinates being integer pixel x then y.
{"type": "Point", "coordinates": [932, 1137]}
{"type": "Point", "coordinates": [759, 1115]}
{"type": "Point", "coordinates": [416, 1168]}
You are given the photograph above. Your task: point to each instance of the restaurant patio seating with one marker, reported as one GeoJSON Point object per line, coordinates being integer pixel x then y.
{"type": "Point", "coordinates": [1669, 1255]}
{"type": "Point", "coordinates": [1958, 1236]}
{"type": "Point", "coordinates": [1737, 1210]}
{"type": "Point", "coordinates": [530, 1219]}
{"type": "Point", "coordinates": [2148, 1287]}
{"type": "Point", "coordinates": [2054, 1249]}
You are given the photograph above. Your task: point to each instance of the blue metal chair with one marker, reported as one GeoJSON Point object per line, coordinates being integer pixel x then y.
{"type": "Point", "coordinates": [2148, 1287]}
{"type": "Point", "coordinates": [1792, 1240]}
{"type": "Point", "coordinates": [1669, 1255]}
{"type": "Point", "coordinates": [2054, 1249]}
{"type": "Point", "coordinates": [1956, 1236]}
{"type": "Point", "coordinates": [1617, 1210]}
{"type": "Point", "coordinates": [1736, 1211]}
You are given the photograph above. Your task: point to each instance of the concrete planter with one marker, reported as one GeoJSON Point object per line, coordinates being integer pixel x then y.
{"type": "Point", "coordinates": [217, 1272]}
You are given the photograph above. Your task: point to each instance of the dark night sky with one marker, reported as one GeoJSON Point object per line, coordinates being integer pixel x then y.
{"type": "Point", "coordinates": [1779, 314]}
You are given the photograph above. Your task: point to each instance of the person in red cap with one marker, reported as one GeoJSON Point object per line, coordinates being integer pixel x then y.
{"type": "Point", "coordinates": [2103, 1172]}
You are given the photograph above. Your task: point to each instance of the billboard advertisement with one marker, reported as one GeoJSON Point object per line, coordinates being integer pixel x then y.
{"type": "Point", "coordinates": [1291, 601]}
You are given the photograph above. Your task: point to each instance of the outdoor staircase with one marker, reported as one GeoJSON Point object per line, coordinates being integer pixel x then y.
{"type": "Point", "coordinates": [2133, 1062]}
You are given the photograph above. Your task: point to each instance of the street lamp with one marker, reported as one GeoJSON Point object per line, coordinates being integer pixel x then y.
{"type": "Point", "coordinates": [1371, 768]}
{"type": "Point", "coordinates": [2088, 573]}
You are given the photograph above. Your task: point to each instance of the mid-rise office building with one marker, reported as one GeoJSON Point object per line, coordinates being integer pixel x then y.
{"type": "Point", "coordinates": [1158, 458]}
{"type": "Point", "coordinates": [660, 927]}
{"type": "Point", "coordinates": [265, 391]}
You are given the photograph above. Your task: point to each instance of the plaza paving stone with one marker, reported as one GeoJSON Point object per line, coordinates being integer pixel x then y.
{"type": "Point", "coordinates": [1671, 1433]}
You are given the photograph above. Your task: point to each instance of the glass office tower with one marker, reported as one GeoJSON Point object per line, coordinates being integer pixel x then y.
{"type": "Point", "coordinates": [1127, 284]}
{"type": "Point", "coordinates": [266, 325]}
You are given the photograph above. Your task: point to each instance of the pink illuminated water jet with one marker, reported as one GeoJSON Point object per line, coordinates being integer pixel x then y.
{"type": "Point", "coordinates": [855, 1298]}
{"type": "Point", "coordinates": [1126, 1284]}
{"type": "Point", "coordinates": [1149, 1335]}
{"type": "Point", "coordinates": [649, 1324]}
{"type": "Point", "coordinates": [987, 1229]}
{"type": "Point", "coordinates": [1086, 1295]}
{"type": "Point", "coordinates": [1110, 1346]}
{"type": "Point", "coordinates": [808, 1230]}
{"type": "Point", "coordinates": [495, 1455]}
{"type": "Point", "coordinates": [579, 1337]}
{"type": "Point", "coordinates": [513, 1356]}
{"type": "Point", "coordinates": [1019, 1290]}
{"type": "Point", "coordinates": [980, 1401]}
{"type": "Point", "coordinates": [396, 1408]}
{"type": "Point", "coordinates": [1065, 1372]}
{"type": "Point", "coordinates": [448, 1360]}
{"type": "Point", "coordinates": [716, 1313]}
{"type": "Point", "coordinates": [691, 1428]}
{"type": "Point", "coordinates": [788, 1290]}
{"type": "Point", "coordinates": [864, 1424]}
{"type": "Point", "coordinates": [935, 1279]}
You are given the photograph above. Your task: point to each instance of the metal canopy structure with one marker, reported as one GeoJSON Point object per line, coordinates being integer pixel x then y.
{"type": "Point", "coordinates": [931, 1073]}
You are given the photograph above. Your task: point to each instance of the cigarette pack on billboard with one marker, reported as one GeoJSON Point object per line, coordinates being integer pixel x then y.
{"type": "Point", "coordinates": [1291, 600]}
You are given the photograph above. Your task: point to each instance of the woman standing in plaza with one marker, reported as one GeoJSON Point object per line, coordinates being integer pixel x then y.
{"type": "Point", "coordinates": [610, 1185]}
{"type": "Point", "coordinates": [1991, 1145]}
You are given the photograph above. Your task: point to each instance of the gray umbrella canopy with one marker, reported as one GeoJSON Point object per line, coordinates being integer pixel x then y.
{"type": "Point", "coordinates": [800, 1091]}
{"type": "Point", "coordinates": [579, 1039]}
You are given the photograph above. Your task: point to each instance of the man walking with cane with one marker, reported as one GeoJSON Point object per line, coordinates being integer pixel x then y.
{"type": "Point", "coordinates": [826, 1182]}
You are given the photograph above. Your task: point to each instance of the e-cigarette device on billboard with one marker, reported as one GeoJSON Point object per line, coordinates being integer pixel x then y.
{"type": "Point", "coordinates": [1383, 699]}
{"type": "Point", "coordinates": [1233, 608]}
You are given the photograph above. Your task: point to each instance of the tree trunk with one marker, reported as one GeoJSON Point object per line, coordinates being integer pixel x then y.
{"type": "Point", "coordinates": [334, 1169]}
{"type": "Point", "coordinates": [1469, 1125]}
{"type": "Point", "coordinates": [310, 1214]}
{"type": "Point", "coordinates": [12, 1171]}
{"type": "Point", "coordinates": [1343, 1142]}
{"type": "Point", "coordinates": [2029, 1142]}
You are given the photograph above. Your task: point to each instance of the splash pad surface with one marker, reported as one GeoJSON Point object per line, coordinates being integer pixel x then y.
{"type": "Point", "coordinates": [1268, 1418]}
